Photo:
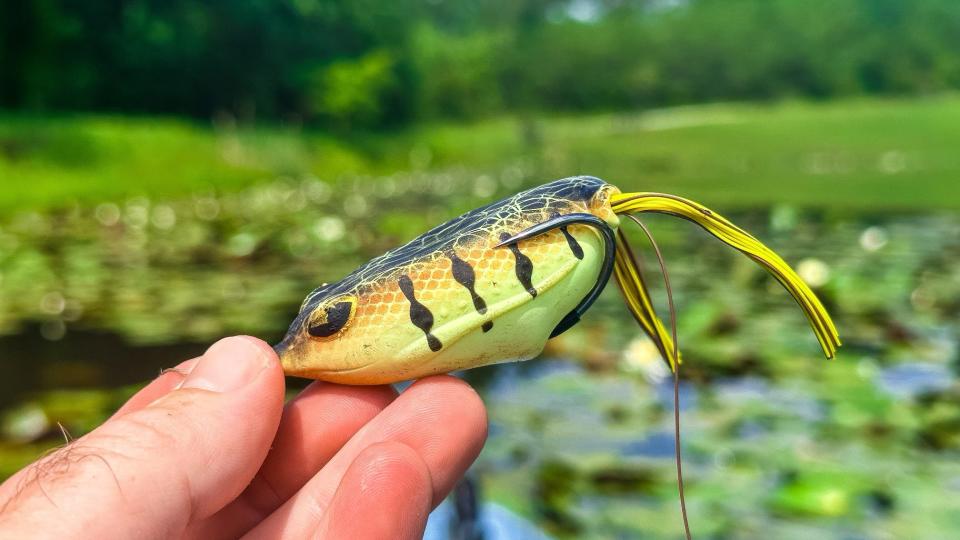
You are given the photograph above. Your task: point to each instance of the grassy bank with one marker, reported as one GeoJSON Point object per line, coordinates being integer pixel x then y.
{"type": "Point", "coordinates": [863, 154]}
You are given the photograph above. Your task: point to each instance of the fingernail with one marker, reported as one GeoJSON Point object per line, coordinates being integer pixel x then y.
{"type": "Point", "coordinates": [228, 365]}
{"type": "Point", "coordinates": [183, 368]}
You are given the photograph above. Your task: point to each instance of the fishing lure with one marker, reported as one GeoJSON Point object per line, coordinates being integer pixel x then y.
{"type": "Point", "coordinates": [494, 284]}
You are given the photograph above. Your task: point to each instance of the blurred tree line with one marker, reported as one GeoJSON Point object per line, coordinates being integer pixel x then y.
{"type": "Point", "coordinates": [381, 62]}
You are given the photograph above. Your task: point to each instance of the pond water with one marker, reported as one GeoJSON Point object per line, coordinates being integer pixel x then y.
{"type": "Point", "coordinates": [777, 442]}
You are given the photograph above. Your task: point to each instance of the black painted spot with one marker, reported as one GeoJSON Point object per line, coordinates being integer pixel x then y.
{"type": "Point", "coordinates": [337, 316]}
{"type": "Point", "coordinates": [572, 242]}
{"type": "Point", "coordinates": [463, 273]}
{"type": "Point", "coordinates": [420, 315]}
{"type": "Point", "coordinates": [524, 266]}
{"type": "Point", "coordinates": [487, 326]}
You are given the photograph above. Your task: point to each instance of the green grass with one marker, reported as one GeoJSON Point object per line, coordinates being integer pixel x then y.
{"type": "Point", "coordinates": [52, 161]}
{"type": "Point", "coordinates": [859, 154]}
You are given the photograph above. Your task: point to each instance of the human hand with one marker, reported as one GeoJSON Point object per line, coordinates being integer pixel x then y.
{"type": "Point", "coordinates": [209, 450]}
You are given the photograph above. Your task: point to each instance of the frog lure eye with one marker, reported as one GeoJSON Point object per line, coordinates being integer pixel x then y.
{"type": "Point", "coordinates": [494, 284]}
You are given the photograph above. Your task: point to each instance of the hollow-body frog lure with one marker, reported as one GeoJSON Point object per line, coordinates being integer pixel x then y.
{"type": "Point", "coordinates": [494, 284]}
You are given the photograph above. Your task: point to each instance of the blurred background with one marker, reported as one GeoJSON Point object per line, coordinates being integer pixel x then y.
{"type": "Point", "coordinates": [175, 171]}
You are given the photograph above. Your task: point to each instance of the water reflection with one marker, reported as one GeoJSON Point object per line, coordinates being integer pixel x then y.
{"type": "Point", "coordinates": [910, 380]}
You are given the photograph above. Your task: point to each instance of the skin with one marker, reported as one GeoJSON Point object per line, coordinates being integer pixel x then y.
{"type": "Point", "coordinates": [209, 450]}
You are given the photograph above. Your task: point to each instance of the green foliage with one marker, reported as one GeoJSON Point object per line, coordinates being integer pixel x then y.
{"type": "Point", "coordinates": [457, 75]}
{"type": "Point", "coordinates": [350, 92]}
{"type": "Point", "coordinates": [366, 62]}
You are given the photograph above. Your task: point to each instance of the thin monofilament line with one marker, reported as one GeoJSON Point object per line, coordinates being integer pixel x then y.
{"type": "Point", "coordinates": [676, 373]}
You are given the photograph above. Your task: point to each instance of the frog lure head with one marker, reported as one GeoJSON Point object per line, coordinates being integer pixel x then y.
{"type": "Point", "coordinates": [494, 284]}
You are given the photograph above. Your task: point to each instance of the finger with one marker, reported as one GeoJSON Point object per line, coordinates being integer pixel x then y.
{"type": "Point", "coordinates": [385, 493]}
{"type": "Point", "coordinates": [315, 425]}
{"type": "Point", "coordinates": [149, 472]}
{"type": "Point", "coordinates": [314, 428]}
{"type": "Point", "coordinates": [160, 386]}
{"type": "Point", "coordinates": [441, 418]}
{"type": "Point", "coordinates": [167, 381]}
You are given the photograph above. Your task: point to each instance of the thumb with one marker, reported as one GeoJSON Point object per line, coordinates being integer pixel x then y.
{"type": "Point", "coordinates": [150, 472]}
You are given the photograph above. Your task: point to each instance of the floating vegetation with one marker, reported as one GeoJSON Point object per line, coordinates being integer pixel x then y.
{"type": "Point", "coordinates": [94, 298]}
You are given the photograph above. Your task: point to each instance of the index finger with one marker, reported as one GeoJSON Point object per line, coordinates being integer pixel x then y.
{"type": "Point", "coordinates": [314, 426]}
{"type": "Point", "coordinates": [441, 418]}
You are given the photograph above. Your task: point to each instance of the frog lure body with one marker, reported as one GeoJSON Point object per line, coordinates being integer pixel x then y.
{"type": "Point", "coordinates": [494, 284]}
